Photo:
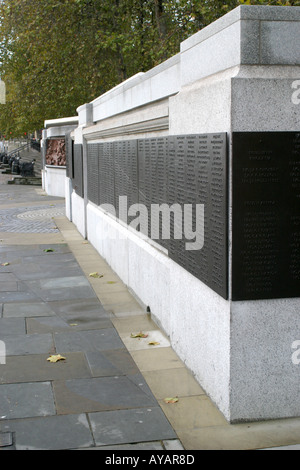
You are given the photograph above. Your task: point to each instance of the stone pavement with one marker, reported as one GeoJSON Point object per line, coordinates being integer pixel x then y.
{"type": "Point", "coordinates": [108, 393]}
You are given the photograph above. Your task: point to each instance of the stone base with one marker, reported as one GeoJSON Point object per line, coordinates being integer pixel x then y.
{"type": "Point", "coordinates": [28, 180]}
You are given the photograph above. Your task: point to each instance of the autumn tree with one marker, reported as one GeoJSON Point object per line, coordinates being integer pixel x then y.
{"type": "Point", "coordinates": [57, 55]}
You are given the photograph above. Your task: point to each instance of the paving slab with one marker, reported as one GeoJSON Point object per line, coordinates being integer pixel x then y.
{"type": "Point", "coordinates": [98, 340]}
{"type": "Point", "coordinates": [10, 286]}
{"type": "Point", "coordinates": [26, 309]}
{"type": "Point", "coordinates": [42, 325]}
{"type": "Point", "coordinates": [59, 283]}
{"type": "Point", "coordinates": [26, 400]}
{"type": "Point", "coordinates": [193, 411]}
{"type": "Point", "coordinates": [12, 326]}
{"type": "Point", "coordinates": [18, 345]}
{"type": "Point", "coordinates": [129, 426]}
{"type": "Point", "coordinates": [36, 368]}
{"type": "Point", "coordinates": [51, 432]}
{"type": "Point", "coordinates": [33, 271]}
{"type": "Point", "coordinates": [154, 339]}
{"type": "Point", "coordinates": [6, 439]}
{"type": "Point", "coordinates": [111, 362]}
{"type": "Point", "coordinates": [64, 293]}
{"type": "Point", "coordinates": [173, 382]}
{"type": "Point", "coordinates": [6, 297]}
{"type": "Point", "coordinates": [80, 308]}
{"type": "Point", "coordinates": [7, 277]}
{"type": "Point", "coordinates": [41, 258]}
{"type": "Point", "coordinates": [153, 359]}
{"type": "Point", "coordinates": [99, 394]}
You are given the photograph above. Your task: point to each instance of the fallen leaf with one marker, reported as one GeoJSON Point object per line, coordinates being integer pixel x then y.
{"type": "Point", "coordinates": [96, 275]}
{"type": "Point", "coordinates": [56, 358]}
{"type": "Point", "coordinates": [85, 243]}
{"type": "Point", "coordinates": [73, 324]}
{"type": "Point", "coordinates": [138, 335]}
{"type": "Point", "coordinates": [153, 343]}
{"type": "Point", "coordinates": [48, 250]}
{"type": "Point", "coordinates": [171, 400]}
{"type": "Point", "coordinates": [5, 264]}
{"type": "Point", "coordinates": [111, 282]}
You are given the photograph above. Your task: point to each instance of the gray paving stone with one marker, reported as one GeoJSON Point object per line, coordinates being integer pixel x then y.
{"type": "Point", "coordinates": [36, 368]}
{"type": "Point", "coordinates": [67, 293]}
{"type": "Point", "coordinates": [16, 248]}
{"type": "Point", "coordinates": [19, 270]}
{"type": "Point", "coordinates": [111, 363]}
{"type": "Point", "coordinates": [63, 282]}
{"type": "Point", "coordinates": [11, 258]}
{"type": "Point", "coordinates": [80, 309]}
{"type": "Point", "coordinates": [33, 271]}
{"type": "Point", "coordinates": [52, 433]}
{"type": "Point", "coordinates": [20, 250]}
{"type": "Point", "coordinates": [95, 340]}
{"type": "Point", "coordinates": [25, 400]}
{"type": "Point", "coordinates": [7, 277]}
{"type": "Point", "coordinates": [12, 326]}
{"type": "Point", "coordinates": [57, 324]}
{"type": "Point", "coordinates": [18, 297]}
{"type": "Point", "coordinates": [99, 394]}
{"type": "Point", "coordinates": [129, 426]}
{"type": "Point", "coordinates": [41, 325]}
{"type": "Point", "coordinates": [36, 253]}
{"type": "Point", "coordinates": [22, 286]}
{"type": "Point", "coordinates": [6, 439]}
{"type": "Point", "coordinates": [50, 259]}
{"type": "Point", "coordinates": [10, 286]}
{"type": "Point", "coordinates": [140, 382]}
{"type": "Point", "coordinates": [18, 345]}
{"type": "Point", "coordinates": [28, 309]}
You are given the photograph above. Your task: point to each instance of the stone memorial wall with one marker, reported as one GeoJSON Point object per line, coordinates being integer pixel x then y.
{"type": "Point", "coordinates": [184, 170]}
{"type": "Point", "coordinates": [215, 129]}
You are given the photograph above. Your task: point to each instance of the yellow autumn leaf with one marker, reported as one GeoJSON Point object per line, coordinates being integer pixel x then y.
{"type": "Point", "coordinates": [56, 358]}
{"type": "Point", "coordinates": [171, 400]}
{"type": "Point", "coordinates": [96, 275]}
{"type": "Point", "coordinates": [153, 343]}
{"type": "Point", "coordinates": [138, 335]}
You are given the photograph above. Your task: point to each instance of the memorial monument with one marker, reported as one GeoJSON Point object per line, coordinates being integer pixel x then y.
{"type": "Point", "coordinates": [218, 126]}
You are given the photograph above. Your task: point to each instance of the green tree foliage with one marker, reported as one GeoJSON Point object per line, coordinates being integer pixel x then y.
{"type": "Point", "coordinates": [56, 55]}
